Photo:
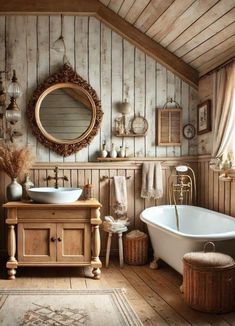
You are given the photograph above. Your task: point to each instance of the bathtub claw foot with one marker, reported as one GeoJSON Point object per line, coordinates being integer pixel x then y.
{"type": "Point", "coordinates": [154, 264]}
{"type": "Point", "coordinates": [182, 288]}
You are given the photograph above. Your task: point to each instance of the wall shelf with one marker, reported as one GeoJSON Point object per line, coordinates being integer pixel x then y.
{"type": "Point", "coordinates": [110, 159]}
{"type": "Point", "coordinates": [130, 135]}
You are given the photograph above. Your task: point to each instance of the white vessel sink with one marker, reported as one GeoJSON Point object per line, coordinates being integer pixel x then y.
{"type": "Point", "coordinates": [49, 195]}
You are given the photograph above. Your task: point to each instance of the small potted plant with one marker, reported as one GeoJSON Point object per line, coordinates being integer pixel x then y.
{"type": "Point", "coordinates": [15, 162]}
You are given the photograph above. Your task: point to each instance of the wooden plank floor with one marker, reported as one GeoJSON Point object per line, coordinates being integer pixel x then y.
{"type": "Point", "coordinates": [153, 294]}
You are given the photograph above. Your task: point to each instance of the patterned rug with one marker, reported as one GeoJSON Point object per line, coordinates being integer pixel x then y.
{"type": "Point", "coordinates": [31, 307]}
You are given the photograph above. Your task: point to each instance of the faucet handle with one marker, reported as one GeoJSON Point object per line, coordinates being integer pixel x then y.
{"type": "Point", "coordinates": [66, 178]}
{"type": "Point", "coordinates": [56, 169]}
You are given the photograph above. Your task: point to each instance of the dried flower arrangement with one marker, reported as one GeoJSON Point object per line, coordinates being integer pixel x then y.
{"type": "Point", "coordinates": [15, 161]}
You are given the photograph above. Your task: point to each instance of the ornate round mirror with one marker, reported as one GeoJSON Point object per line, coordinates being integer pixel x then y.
{"type": "Point", "coordinates": [65, 112]}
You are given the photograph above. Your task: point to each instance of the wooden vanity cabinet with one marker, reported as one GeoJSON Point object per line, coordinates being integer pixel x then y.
{"type": "Point", "coordinates": [53, 235]}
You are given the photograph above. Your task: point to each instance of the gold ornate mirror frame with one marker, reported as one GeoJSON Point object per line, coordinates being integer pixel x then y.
{"type": "Point", "coordinates": [66, 77]}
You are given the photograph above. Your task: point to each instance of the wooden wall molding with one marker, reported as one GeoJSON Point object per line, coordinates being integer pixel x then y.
{"type": "Point", "coordinates": [114, 21]}
{"type": "Point", "coordinates": [136, 163]}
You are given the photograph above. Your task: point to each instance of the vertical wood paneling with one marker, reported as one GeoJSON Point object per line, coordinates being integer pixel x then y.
{"type": "Point", "coordinates": [106, 131]}
{"type": "Point", "coordinates": [128, 85]}
{"type": "Point", "coordinates": [170, 92]}
{"type": "Point", "coordinates": [178, 93]}
{"type": "Point", "coordinates": [185, 115]}
{"type": "Point", "coordinates": [232, 209]}
{"type": "Point", "coordinates": [31, 45]}
{"type": "Point", "coordinates": [16, 59]}
{"type": "Point", "coordinates": [139, 97]}
{"type": "Point", "coordinates": [2, 177]}
{"type": "Point", "coordinates": [94, 74]}
{"type": "Point", "coordinates": [117, 79]}
{"type": "Point", "coordinates": [81, 63]}
{"type": "Point", "coordinates": [69, 36]}
{"type": "Point", "coordinates": [150, 110]}
{"type": "Point", "coordinates": [161, 99]}
{"type": "Point", "coordinates": [193, 101]}
{"type": "Point", "coordinates": [43, 69]}
{"type": "Point", "coordinates": [56, 60]}
{"type": "Point", "coordinates": [214, 193]}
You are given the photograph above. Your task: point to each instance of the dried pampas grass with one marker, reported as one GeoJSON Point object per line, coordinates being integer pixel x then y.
{"type": "Point", "coordinates": [15, 161]}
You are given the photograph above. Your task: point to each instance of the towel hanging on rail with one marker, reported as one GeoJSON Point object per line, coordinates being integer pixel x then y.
{"type": "Point", "coordinates": [152, 185]}
{"type": "Point", "coordinates": [120, 195]}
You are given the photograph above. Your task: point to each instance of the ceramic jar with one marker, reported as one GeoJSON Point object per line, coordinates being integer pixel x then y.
{"type": "Point", "coordinates": [14, 191]}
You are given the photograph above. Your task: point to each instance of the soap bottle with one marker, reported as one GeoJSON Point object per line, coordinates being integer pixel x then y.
{"type": "Point", "coordinates": [113, 152]}
{"type": "Point", "coordinates": [27, 184]}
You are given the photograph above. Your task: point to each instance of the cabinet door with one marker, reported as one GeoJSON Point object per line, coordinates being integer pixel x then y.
{"type": "Point", "coordinates": [74, 242]}
{"type": "Point", "coordinates": [36, 242]}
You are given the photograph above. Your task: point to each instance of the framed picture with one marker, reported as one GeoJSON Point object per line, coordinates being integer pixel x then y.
{"type": "Point", "coordinates": [204, 117]}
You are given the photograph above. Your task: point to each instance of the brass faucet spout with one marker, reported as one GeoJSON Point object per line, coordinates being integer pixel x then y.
{"type": "Point", "coordinates": [56, 178]}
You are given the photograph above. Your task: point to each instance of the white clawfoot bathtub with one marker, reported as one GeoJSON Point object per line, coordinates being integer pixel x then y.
{"type": "Point", "coordinates": [196, 226]}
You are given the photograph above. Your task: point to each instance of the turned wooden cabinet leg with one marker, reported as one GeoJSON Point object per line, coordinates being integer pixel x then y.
{"type": "Point", "coordinates": [96, 244]}
{"type": "Point", "coordinates": [95, 260]}
{"type": "Point", "coordinates": [11, 246]}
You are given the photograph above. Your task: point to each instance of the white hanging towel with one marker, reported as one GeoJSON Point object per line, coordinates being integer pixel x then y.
{"type": "Point", "coordinates": [120, 195]}
{"type": "Point", "coordinates": [152, 186]}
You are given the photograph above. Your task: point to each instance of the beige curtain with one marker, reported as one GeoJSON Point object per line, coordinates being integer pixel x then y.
{"type": "Point", "coordinates": [224, 110]}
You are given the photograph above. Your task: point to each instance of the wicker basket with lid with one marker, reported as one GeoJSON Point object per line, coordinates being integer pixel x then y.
{"type": "Point", "coordinates": [136, 248]}
{"type": "Point", "coordinates": [209, 281]}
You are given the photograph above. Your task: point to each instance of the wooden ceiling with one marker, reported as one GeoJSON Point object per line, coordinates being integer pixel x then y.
{"type": "Point", "coordinates": [200, 32]}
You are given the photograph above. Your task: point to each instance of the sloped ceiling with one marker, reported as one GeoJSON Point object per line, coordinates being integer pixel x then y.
{"type": "Point", "coordinates": [201, 32]}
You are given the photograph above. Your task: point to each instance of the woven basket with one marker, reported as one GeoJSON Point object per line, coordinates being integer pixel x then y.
{"type": "Point", "coordinates": [209, 282]}
{"type": "Point", "coordinates": [136, 248]}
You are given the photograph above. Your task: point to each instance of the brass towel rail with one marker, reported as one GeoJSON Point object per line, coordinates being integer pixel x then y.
{"type": "Point", "coordinates": [105, 177]}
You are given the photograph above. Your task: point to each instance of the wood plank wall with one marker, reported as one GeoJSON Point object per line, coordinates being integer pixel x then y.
{"type": "Point", "coordinates": [103, 189]}
{"type": "Point", "coordinates": [116, 69]}
{"type": "Point", "coordinates": [213, 193]}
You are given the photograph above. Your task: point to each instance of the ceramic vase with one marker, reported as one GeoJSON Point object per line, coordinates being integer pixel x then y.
{"type": "Point", "coordinates": [14, 191]}
{"type": "Point", "coordinates": [113, 152]}
{"type": "Point", "coordinates": [122, 152]}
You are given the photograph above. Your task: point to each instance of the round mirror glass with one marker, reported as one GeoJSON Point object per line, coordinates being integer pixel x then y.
{"type": "Point", "coordinates": [65, 113]}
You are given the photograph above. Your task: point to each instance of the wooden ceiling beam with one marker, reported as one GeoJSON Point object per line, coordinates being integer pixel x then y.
{"type": "Point", "coordinates": [111, 19]}
{"type": "Point", "coordinates": [50, 7]}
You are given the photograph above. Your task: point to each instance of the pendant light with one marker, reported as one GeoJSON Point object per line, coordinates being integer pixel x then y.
{"type": "Point", "coordinates": [13, 113]}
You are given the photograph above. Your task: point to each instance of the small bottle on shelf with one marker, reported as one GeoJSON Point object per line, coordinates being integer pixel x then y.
{"type": "Point", "coordinates": [104, 152]}
{"type": "Point", "coordinates": [88, 190]}
{"type": "Point", "coordinates": [122, 152]}
{"type": "Point", "coordinates": [113, 152]}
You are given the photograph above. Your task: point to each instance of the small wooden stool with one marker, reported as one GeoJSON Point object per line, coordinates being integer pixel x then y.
{"type": "Point", "coordinates": [120, 245]}
{"type": "Point", "coordinates": [209, 281]}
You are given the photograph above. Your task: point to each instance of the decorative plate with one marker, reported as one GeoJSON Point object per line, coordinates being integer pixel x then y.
{"type": "Point", "coordinates": [139, 125]}
{"type": "Point", "coordinates": [189, 131]}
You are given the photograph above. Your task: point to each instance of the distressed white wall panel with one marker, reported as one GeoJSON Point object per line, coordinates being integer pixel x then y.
{"type": "Point", "coordinates": [113, 66]}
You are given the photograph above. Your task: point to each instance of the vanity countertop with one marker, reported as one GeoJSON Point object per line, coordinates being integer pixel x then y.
{"type": "Point", "coordinates": [91, 203]}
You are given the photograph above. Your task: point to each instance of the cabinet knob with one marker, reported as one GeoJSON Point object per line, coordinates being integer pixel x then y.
{"type": "Point", "coordinates": [59, 239]}
{"type": "Point", "coordinates": [53, 239]}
